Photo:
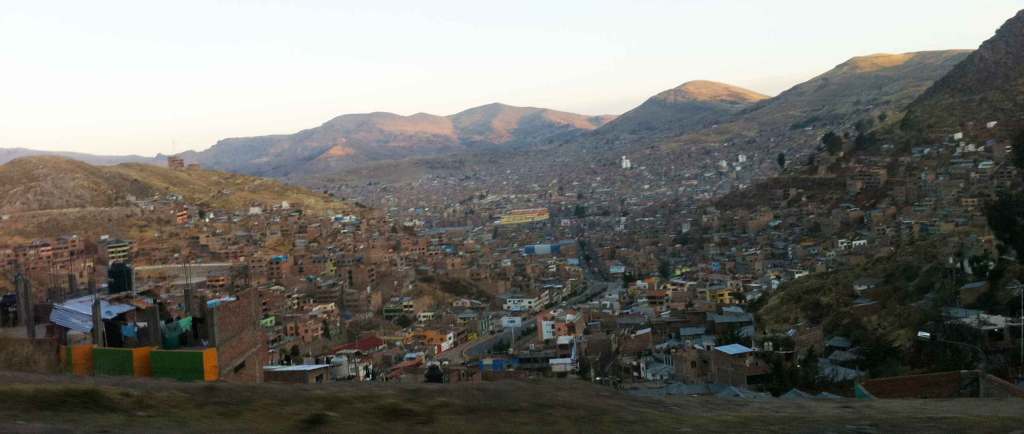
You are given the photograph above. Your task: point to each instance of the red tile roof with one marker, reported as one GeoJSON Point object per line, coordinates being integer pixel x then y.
{"type": "Point", "coordinates": [364, 345]}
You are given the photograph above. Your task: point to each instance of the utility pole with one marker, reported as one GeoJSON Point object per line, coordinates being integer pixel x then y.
{"type": "Point", "coordinates": [25, 310]}
{"type": "Point", "coordinates": [187, 267]}
{"type": "Point", "coordinates": [72, 286]}
{"type": "Point", "coordinates": [98, 333]}
{"type": "Point", "coordinates": [984, 357]}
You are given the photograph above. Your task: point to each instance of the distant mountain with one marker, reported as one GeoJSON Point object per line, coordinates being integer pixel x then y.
{"type": "Point", "coordinates": [869, 90]}
{"type": "Point", "coordinates": [8, 154]}
{"type": "Point", "coordinates": [356, 139]}
{"type": "Point", "coordinates": [691, 106]}
{"type": "Point", "coordinates": [54, 183]}
{"type": "Point", "coordinates": [987, 86]}
{"type": "Point", "coordinates": [862, 88]}
{"type": "Point", "coordinates": [499, 123]}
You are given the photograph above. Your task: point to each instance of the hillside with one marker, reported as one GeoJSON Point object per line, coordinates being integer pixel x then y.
{"type": "Point", "coordinates": [691, 106]}
{"type": "Point", "coordinates": [987, 86]}
{"type": "Point", "coordinates": [499, 123]}
{"type": "Point", "coordinates": [54, 183]}
{"type": "Point", "coordinates": [8, 154]}
{"type": "Point", "coordinates": [874, 88]}
{"type": "Point", "coordinates": [868, 90]}
{"type": "Point", "coordinates": [40, 183]}
{"type": "Point", "coordinates": [38, 403]}
{"type": "Point", "coordinates": [356, 139]}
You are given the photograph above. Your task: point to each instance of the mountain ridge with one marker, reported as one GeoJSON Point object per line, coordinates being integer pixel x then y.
{"type": "Point", "coordinates": [8, 154]}
{"type": "Point", "coordinates": [861, 88]}
{"type": "Point", "coordinates": [350, 140]}
{"type": "Point", "coordinates": [690, 106]}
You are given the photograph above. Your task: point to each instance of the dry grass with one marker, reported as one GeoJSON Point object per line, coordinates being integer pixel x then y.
{"type": "Point", "coordinates": [52, 183]}
{"type": "Point", "coordinates": [52, 404]}
{"type": "Point", "coordinates": [24, 355]}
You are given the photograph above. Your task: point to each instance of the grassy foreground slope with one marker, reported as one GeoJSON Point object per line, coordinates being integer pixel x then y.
{"type": "Point", "coordinates": [51, 183]}
{"type": "Point", "coordinates": [60, 404]}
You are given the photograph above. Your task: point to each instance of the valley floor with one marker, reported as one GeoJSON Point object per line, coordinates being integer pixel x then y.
{"type": "Point", "coordinates": [39, 403]}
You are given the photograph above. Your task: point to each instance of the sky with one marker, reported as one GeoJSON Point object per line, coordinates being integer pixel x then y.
{"type": "Point", "coordinates": [142, 77]}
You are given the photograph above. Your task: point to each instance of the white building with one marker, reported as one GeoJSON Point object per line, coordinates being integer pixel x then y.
{"type": "Point", "coordinates": [520, 303]}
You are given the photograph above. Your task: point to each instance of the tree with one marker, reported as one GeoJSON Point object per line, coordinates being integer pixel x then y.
{"type": "Point", "coordinates": [664, 268]}
{"type": "Point", "coordinates": [864, 125]}
{"type": "Point", "coordinates": [1006, 218]}
{"type": "Point", "coordinates": [627, 278]}
{"type": "Point", "coordinates": [808, 370]}
{"type": "Point", "coordinates": [781, 378]}
{"type": "Point", "coordinates": [434, 374]}
{"type": "Point", "coordinates": [781, 159]}
{"type": "Point", "coordinates": [1018, 149]}
{"type": "Point", "coordinates": [327, 329]}
{"type": "Point", "coordinates": [403, 321]}
{"type": "Point", "coordinates": [732, 336]}
{"type": "Point", "coordinates": [833, 142]}
{"type": "Point", "coordinates": [500, 347]}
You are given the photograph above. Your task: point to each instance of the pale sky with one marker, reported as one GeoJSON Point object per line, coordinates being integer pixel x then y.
{"type": "Point", "coordinates": [141, 77]}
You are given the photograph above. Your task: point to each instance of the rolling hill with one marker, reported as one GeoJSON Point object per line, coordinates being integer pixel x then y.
{"type": "Point", "coordinates": [862, 88]}
{"type": "Point", "coordinates": [356, 139]}
{"type": "Point", "coordinates": [8, 154]}
{"type": "Point", "coordinates": [873, 89]}
{"type": "Point", "coordinates": [987, 86]}
{"type": "Point", "coordinates": [691, 106]}
{"type": "Point", "coordinates": [33, 184]}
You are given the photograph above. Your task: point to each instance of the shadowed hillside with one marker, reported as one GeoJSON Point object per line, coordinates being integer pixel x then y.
{"type": "Point", "coordinates": [875, 88]}
{"type": "Point", "coordinates": [38, 404]}
{"type": "Point", "coordinates": [987, 86]}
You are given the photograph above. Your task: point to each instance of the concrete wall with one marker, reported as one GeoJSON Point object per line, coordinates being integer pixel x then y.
{"type": "Point", "coordinates": [297, 377]}
{"type": "Point", "coordinates": [185, 365]}
{"type": "Point", "coordinates": [112, 361]}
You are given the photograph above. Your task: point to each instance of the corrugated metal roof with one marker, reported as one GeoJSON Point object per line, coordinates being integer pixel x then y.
{"type": "Point", "coordinates": [76, 314]}
{"type": "Point", "coordinates": [293, 368]}
{"type": "Point", "coordinates": [734, 349]}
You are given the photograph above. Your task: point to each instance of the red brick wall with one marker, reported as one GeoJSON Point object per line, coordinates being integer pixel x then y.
{"type": "Point", "coordinates": [995, 387]}
{"type": "Point", "coordinates": [939, 385]}
{"type": "Point", "coordinates": [239, 340]}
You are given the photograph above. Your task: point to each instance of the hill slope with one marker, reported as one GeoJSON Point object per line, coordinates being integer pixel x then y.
{"type": "Point", "coordinates": [51, 183]}
{"type": "Point", "coordinates": [704, 113]}
{"type": "Point", "coordinates": [987, 86]}
{"type": "Point", "coordinates": [688, 107]}
{"type": "Point", "coordinates": [8, 154]}
{"type": "Point", "coordinates": [49, 404]}
{"type": "Point", "coordinates": [356, 139]}
{"type": "Point", "coordinates": [860, 88]}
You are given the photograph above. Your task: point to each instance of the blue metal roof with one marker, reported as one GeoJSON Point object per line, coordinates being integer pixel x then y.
{"type": "Point", "coordinates": [734, 349]}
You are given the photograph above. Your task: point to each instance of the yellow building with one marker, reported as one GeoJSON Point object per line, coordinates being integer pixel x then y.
{"type": "Point", "coordinates": [525, 216]}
